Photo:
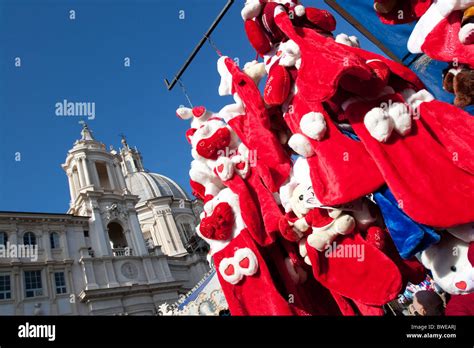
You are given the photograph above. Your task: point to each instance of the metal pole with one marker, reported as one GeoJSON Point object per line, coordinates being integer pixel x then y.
{"type": "Point", "coordinates": [188, 61]}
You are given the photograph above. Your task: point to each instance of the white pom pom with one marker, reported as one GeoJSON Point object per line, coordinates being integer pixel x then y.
{"type": "Point", "coordinates": [300, 11]}
{"type": "Point", "coordinates": [313, 125]}
{"type": "Point", "coordinates": [379, 124]}
{"type": "Point", "coordinates": [401, 117]}
{"type": "Point", "coordinates": [301, 145]}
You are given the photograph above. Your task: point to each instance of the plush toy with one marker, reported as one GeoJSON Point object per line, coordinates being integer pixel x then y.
{"type": "Point", "coordinates": [460, 82]}
{"type": "Point", "coordinates": [439, 35]}
{"type": "Point", "coordinates": [466, 34]}
{"type": "Point", "coordinates": [242, 266]}
{"type": "Point", "coordinates": [325, 232]}
{"type": "Point", "coordinates": [304, 218]}
{"type": "Point", "coordinates": [451, 262]}
{"type": "Point", "coordinates": [400, 11]}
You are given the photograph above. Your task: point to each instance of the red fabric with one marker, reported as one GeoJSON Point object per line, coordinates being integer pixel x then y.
{"type": "Point", "coordinates": [443, 43]}
{"type": "Point", "coordinates": [373, 281]}
{"type": "Point", "coordinates": [273, 162]}
{"type": "Point", "coordinates": [411, 10]}
{"type": "Point", "coordinates": [277, 87]}
{"type": "Point", "coordinates": [219, 225]}
{"type": "Point", "coordinates": [253, 295]}
{"type": "Point", "coordinates": [199, 191]}
{"type": "Point", "coordinates": [419, 171]}
{"type": "Point", "coordinates": [286, 230]}
{"type": "Point", "coordinates": [257, 37]}
{"type": "Point", "coordinates": [470, 253]}
{"type": "Point", "coordinates": [258, 208]}
{"type": "Point", "coordinates": [314, 83]}
{"type": "Point", "coordinates": [308, 297]}
{"type": "Point", "coordinates": [341, 169]}
{"type": "Point", "coordinates": [398, 69]}
{"type": "Point", "coordinates": [411, 270]}
{"type": "Point", "coordinates": [452, 127]}
{"type": "Point", "coordinates": [318, 218]}
{"type": "Point", "coordinates": [210, 147]}
{"type": "Point", "coordinates": [321, 18]}
{"type": "Point", "coordinates": [460, 305]}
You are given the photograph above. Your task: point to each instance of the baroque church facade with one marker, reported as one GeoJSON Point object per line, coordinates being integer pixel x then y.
{"type": "Point", "coordinates": [126, 245]}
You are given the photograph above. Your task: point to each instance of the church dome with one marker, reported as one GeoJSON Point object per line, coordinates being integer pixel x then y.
{"type": "Point", "coordinates": [151, 185]}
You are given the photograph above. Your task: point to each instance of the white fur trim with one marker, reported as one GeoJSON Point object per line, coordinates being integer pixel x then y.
{"type": "Point", "coordinates": [225, 86]}
{"type": "Point", "coordinates": [414, 99]}
{"type": "Point", "coordinates": [313, 125]}
{"type": "Point", "coordinates": [435, 14]}
{"type": "Point", "coordinates": [279, 10]}
{"type": "Point", "coordinates": [379, 124]}
{"type": "Point", "coordinates": [236, 276]}
{"type": "Point", "coordinates": [251, 9]}
{"type": "Point", "coordinates": [401, 117]}
{"type": "Point", "coordinates": [240, 255]}
{"type": "Point", "coordinates": [465, 32]}
{"type": "Point", "coordinates": [301, 145]}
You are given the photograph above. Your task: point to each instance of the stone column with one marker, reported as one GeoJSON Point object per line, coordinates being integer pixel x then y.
{"type": "Point", "coordinates": [85, 167]}
{"type": "Point", "coordinates": [80, 172]}
{"type": "Point", "coordinates": [111, 177]}
{"type": "Point", "coordinates": [71, 186]}
{"type": "Point", "coordinates": [174, 233]}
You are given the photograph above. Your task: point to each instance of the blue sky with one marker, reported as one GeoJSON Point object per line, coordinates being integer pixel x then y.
{"type": "Point", "coordinates": [82, 60]}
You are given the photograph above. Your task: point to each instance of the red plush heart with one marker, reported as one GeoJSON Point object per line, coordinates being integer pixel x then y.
{"type": "Point", "coordinates": [199, 190]}
{"type": "Point", "coordinates": [244, 263]}
{"type": "Point", "coordinates": [461, 285]}
{"type": "Point", "coordinates": [229, 270]}
{"type": "Point", "coordinates": [278, 85]}
{"type": "Point", "coordinates": [240, 165]}
{"type": "Point", "coordinates": [219, 225]}
{"type": "Point", "coordinates": [198, 111]}
{"type": "Point", "coordinates": [209, 148]}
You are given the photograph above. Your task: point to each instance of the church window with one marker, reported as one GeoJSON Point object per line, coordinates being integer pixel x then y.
{"type": "Point", "coordinates": [54, 240]}
{"type": "Point", "coordinates": [3, 238]}
{"type": "Point", "coordinates": [29, 238]}
{"type": "Point", "coordinates": [33, 284]}
{"type": "Point", "coordinates": [86, 234]}
{"type": "Point", "coordinates": [5, 286]}
{"type": "Point", "coordinates": [104, 180]}
{"type": "Point", "coordinates": [60, 283]}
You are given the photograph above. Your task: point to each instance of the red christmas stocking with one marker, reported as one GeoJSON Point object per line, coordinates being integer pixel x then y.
{"type": "Point", "coordinates": [419, 171]}
{"type": "Point", "coordinates": [372, 279]}
{"type": "Point", "coordinates": [246, 280]}
{"type": "Point", "coordinates": [341, 169]}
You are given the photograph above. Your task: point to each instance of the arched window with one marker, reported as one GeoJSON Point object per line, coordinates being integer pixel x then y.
{"type": "Point", "coordinates": [3, 238]}
{"type": "Point", "coordinates": [54, 240]}
{"type": "Point", "coordinates": [29, 238]}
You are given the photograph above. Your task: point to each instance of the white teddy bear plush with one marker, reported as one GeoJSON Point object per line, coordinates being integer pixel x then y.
{"type": "Point", "coordinates": [451, 262]}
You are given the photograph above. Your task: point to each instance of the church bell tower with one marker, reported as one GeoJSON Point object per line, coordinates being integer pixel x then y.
{"type": "Point", "coordinates": [98, 190]}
